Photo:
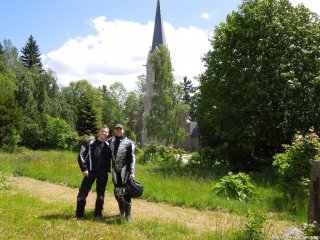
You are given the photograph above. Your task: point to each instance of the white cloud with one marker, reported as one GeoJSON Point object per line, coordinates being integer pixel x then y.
{"type": "Point", "coordinates": [205, 16]}
{"type": "Point", "coordinates": [313, 5]}
{"type": "Point", "coordinates": [119, 50]}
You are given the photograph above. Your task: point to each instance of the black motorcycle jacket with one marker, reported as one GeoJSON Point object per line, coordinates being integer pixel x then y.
{"type": "Point", "coordinates": [94, 155]}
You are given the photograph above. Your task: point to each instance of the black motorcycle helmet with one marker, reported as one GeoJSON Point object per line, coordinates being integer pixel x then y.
{"type": "Point", "coordinates": [134, 189]}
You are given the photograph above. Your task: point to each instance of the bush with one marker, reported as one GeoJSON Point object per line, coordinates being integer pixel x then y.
{"type": "Point", "coordinates": [235, 186]}
{"type": "Point", "coordinates": [294, 166]}
{"type": "Point", "coordinates": [253, 229]}
{"type": "Point", "coordinates": [49, 133]}
{"type": "Point", "coordinates": [210, 158]}
{"type": "Point", "coordinates": [162, 155]}
{"type": "Point", "coordinates": [312, 229]}
{"type": "Point", "coordinates": [4, 184]}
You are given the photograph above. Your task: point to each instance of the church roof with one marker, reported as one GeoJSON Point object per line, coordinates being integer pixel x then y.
{"type": "Point", "coordinates": [158, 33]}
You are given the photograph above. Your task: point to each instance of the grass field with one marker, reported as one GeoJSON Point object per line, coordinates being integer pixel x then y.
{"type": "Point", "coordinates": [25, 217]}
{"type": "Point", "coordinates": [180, 188]}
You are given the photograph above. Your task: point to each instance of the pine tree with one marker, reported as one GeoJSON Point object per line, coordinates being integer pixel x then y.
{"type": "Point", "coordinates": [188, 90]}
{"type": "Point", "coordinates": [31, 54]}
{"type": "Point", "coordinates": [88, 117]}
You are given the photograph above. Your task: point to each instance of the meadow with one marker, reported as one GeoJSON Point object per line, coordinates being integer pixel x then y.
{"type": "Point", "coordinates": [25, 217]}
{"type": "Point", "coordinates": [182, 187]}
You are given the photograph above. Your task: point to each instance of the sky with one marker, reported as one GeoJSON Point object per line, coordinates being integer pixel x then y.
{"type": "Point", "coordinates": [104, 41]}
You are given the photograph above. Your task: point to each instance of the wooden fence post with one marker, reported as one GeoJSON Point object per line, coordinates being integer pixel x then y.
{"type": "Point", "coordinates": [314, 197]}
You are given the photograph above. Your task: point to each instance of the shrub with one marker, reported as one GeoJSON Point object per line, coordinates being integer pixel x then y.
{"type": "Point", "coordinates": [253, 229]}
{"type": "Point", "coordinates": [210, 158]}
{"type": "Point", "coordinates": [235, 186]}
{"type": "Point", "coordinates": [162, 155]}
{"type": "Point", "coordinates": [312, 229]}
{"type": "Point", "coordinates": [49, 133]}
{"type": "Point", "coordinates": [294, 165]}
{"type": "Point", "coordinates": [4, 184]}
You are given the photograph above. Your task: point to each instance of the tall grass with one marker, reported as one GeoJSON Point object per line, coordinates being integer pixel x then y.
{"type": "Point", "coordinates": [25, 217]}
{"type": "Point", "coordinates": [177, 187]}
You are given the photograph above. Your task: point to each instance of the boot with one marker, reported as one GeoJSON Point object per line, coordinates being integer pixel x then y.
{"type": "Point", "coordinates": [81, 203]}
{"type": "Point", "coordinates": [99, 207]}
{"type": "Point", "coordinates": [127, 210]}
{"type": "Point", "coordinates": [121, 204]}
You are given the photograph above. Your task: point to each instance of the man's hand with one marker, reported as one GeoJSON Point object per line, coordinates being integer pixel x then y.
{"type": "Point", "coordinates": [131, 177]}
{"type": "Point", "coordinates": [85, 173]}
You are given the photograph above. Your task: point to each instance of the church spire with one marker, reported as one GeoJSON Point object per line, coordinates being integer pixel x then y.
{"type": "Point", "coordinates": [158, 33]}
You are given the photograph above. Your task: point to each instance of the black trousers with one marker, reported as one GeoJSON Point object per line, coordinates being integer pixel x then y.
{"type": "Point", "coordinates": [101, 178]}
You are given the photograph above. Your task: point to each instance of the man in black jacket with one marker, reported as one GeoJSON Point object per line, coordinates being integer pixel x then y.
{"type": "Point", "coordinates": [94, 161]}
{"type": "Point", "coordinates": [123, 166]}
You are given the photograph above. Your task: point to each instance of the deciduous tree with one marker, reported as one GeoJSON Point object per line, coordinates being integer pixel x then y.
{"type": "Point", "coordinates": [262, 79]}
{"type": "Point", "coordinates": [163, 121]}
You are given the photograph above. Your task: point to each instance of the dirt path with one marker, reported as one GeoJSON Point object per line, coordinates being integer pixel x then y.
{"type": "Point", "coordinates": [200, 220]}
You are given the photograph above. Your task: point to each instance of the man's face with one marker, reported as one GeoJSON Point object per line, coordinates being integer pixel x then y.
{"type": "Point", "coordinates": [118, 132]}
{"type": "Point", "coordinates": [103, 133]}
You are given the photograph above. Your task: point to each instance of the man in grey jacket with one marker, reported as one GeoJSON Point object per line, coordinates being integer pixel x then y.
{"type": "Point", "coordinates": [123, 166]}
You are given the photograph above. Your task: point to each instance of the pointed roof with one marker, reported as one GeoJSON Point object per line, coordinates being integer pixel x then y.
{"type": "Point", "coordinates": [158, 33]}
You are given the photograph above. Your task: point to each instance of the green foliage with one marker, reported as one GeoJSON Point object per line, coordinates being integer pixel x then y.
{"type": "Point", "coordinates": [58, 134]}
{"type": "Point", "coordinates": [235, 186]}
{"type": "Point", "coordinates": [294, 165]}
{"type": "Point", "coordinates": [261, 73]}
{"type": "Point", "coordinates": [112, 111]}
{"type": "Point", "coordinates": [167, 112]}
{"type": "Point", "coordinates": [141, 84]}
{"type": "Point", "coordinates": [188, 91]}
{"type": "Point", "coordinates": [31, 54]}
{"type": "Point", "coordinates": [166, 157]}
{"type": "Point", "coordinates": [211, 158]}
{"type": "Point", "coordinates": [49, 133]}
{"type": "Point", "coordinates": [11, 114]}
{"type": "Point", "coordinates": [88, 121]}
{"type": "Point", "coordinates": [85, 102]}
{"type": "Point", "coordinates": [4, 184]}
{"type": "Point", "coordinates": [1, 51]}
{"type": "Point", "coordinates": [253, 229]}
{"type": "Point", "coordinates": [312, 229]}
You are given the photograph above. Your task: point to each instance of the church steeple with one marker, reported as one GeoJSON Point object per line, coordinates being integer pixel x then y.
{"type": "Point", "coordinates": [158, 33]}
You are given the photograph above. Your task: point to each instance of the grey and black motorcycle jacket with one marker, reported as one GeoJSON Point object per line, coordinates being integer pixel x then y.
{"type": "Point", "coordinates": [123, 155]}
{"type": "Point", "coordinates": [94, 155]}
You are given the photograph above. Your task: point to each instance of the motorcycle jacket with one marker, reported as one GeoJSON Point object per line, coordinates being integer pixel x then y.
{"type": "Point", "coordinates": [123, 156]}
{"type": "Point", "coordinates": [94, 155]}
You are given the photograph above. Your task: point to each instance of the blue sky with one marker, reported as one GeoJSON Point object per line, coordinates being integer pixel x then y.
{"type": "Point", "coordinates": [105, 41]}
{"type": "Point", "coordinates": [54, 22]}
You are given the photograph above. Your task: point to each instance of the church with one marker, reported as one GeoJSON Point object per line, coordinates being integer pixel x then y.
{"type": "Point", "coordinates": [192, 131]}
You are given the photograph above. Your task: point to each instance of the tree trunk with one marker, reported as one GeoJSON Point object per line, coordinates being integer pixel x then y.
{"type": "Point", "coordinates": [314, 198]}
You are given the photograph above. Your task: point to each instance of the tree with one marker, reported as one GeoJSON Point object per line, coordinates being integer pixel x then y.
{"type": "Point", "coordinates": [188, 91]}
{"type": "Point", "coordinates": [118, 90]}
{"type": "Point", "coordinates": [113, 104]}
{"type": "Point", "coordinates": [10, 54]}
{"type": "Point", "coordinates": [88, 117]}
{"type": "Point", "coordinates": [141, 86]}
{"type": "Point", "coordinates": [11, 114]}
{"type": "Point", "coordinates": [87, 103]}
{"type": "Point", "coordinates": [163, 121]}
{"type": "Point", "coordinates": [261, 80]}
{"type": "Point", "coordinates": [31, 54]}
{"type": "Point", "coordinates": [1, 51]}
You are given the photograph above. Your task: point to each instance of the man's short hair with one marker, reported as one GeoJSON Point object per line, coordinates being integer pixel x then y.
{"type": "Point", "coordinates": [104, 126]}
